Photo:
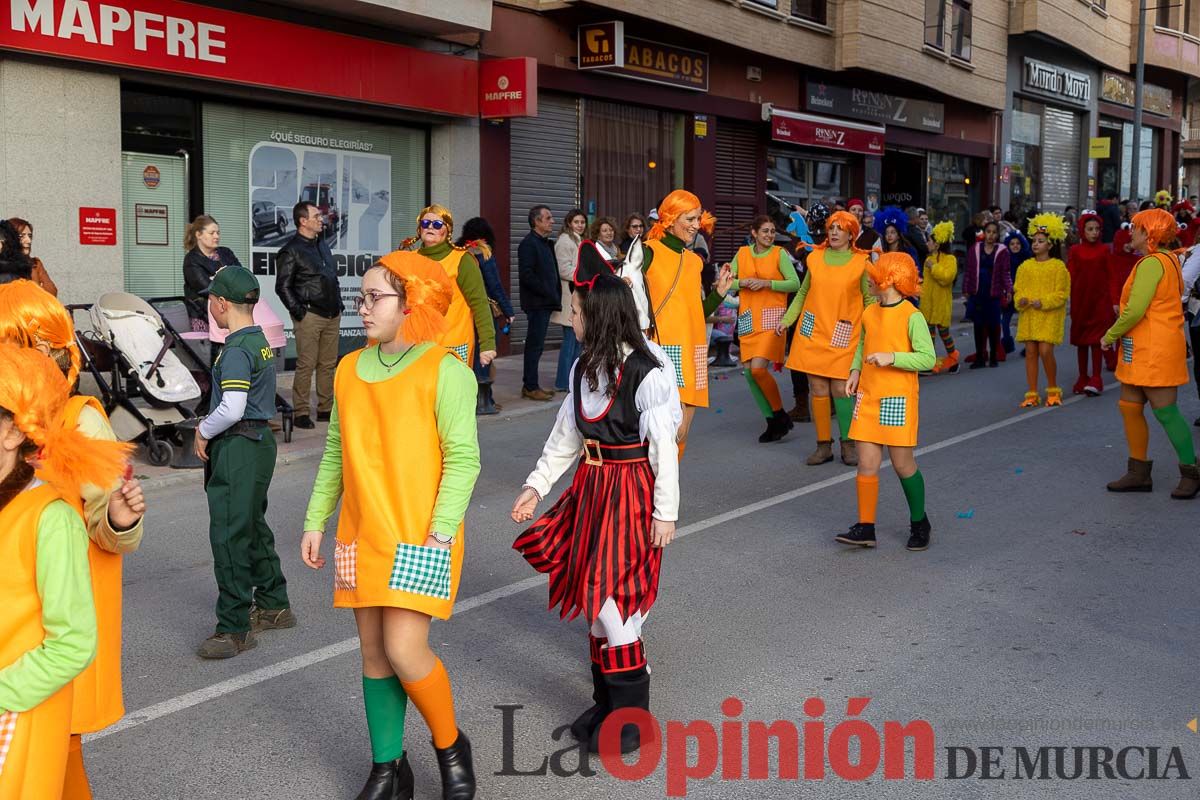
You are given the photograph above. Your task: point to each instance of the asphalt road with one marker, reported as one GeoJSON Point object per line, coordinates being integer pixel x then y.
{"type": "Point", "coordinates": [1046, 613]}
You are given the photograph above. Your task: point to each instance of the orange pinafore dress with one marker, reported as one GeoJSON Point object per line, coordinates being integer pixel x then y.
{"type": "Point", "coordinates": [33, 743]}
{"type": "Point", "coordinates": [885, 410]}
{"type": "Point", "coordinates": [391, 471]}
{"type": "Point", "coordinates": [760, 310]}
{"type": "Point", "coordinates": [1154, 352]}
{"type": "Point", "coordinates": [99, 701]}
{"type": "Point", "coordinates": [830, 323]}
{"type": "Point", "coordinates": [676, 296]}
{"type": "Point", "coordinates": [459, 337]}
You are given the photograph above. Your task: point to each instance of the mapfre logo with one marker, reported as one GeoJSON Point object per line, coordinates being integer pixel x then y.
{"type": "Point", "coordinates": [502, 83]}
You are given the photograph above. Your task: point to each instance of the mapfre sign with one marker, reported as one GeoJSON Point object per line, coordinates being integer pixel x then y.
{"type": "Point", "coordinates": [508, 88]}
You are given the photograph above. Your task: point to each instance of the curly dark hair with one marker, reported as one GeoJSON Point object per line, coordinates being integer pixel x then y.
{"type": "Point", "coordinates": [610, 320]}
{"type": "Point", "coordinates": [477, 228]}
{"type": "Point", "coordinates": [13, 261]}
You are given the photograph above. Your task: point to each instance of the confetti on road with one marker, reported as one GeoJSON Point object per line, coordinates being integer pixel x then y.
{"type": "Point", "coordinates": [1078, 532]}
{"type": "Point", "coordinates": [1018, 470]}
{"type": "Point", "coordinates": [968, 514]}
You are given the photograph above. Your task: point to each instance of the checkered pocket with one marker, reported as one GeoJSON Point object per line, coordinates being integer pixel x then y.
{"type": "Point", "coordinates": [842, 333]}
{"type": "Point", "coordinates": [462, 351]}
{"type": "Point", "coordinates": [8, 726]}
{"type": "Point", "coordinates": [858, 396]}
{"type": "Point", "coordinates": [345, 565]}
{"type": "Point", "coordinates": [893, 411]}
{"type": "Point", "coordinates": [1127, 349]}
{"type": "Point", "coordinates": [421, 570]}
{"type": "Point", "coordinates": [745, 323]}
{"type": "Point", "coordinates": [771, 317]}
{"type": "Point", "coordinates": [675, 353]}
{"type": "Point", "coordinates": [700, 360]}
{"type": "Point", "coordinates": [807, 323]}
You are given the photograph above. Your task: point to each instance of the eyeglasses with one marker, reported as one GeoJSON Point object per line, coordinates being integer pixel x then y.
{"type": "Point", "coordinates": [436, 224]}
{"type": "Point", "coordinates": [367, 300]}
{"type": "Point", "coordinates": [636, 225]}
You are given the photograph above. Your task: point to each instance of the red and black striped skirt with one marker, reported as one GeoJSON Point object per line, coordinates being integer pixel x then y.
{"type": "Point", "coordinates": [596, 542]}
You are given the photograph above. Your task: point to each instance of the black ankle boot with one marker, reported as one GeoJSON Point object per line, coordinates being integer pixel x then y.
{"type": "Point", "coordinates": [458, 773]}
{"type": "Point", "coordinates": [589, 720]}
{"type": "Point", "coordinates": [484, 404]}
{"type": "Point", "coordinates": [629, 689]}
{"type": "Point", "coordinates": [390, 780]}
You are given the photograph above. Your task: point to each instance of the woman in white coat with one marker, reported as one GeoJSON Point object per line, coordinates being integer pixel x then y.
{"type": "Point", "coordinates": [566, 252]}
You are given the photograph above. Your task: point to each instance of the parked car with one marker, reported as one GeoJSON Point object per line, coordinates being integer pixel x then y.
{"type": "Point", "coordinates": [268, 217]}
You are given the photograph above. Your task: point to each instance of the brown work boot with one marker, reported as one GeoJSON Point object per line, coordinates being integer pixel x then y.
{"type": "Point", "coordinates": [1136, 478]}
{"type": "Point", "coordinates": [226, 645]}
{"type": "Point", "coordinates": [849, 453]}
{"type": "Point", "coordinates": [800, 412]}
{"type": "Point", "coordinates": [1189, 482]}
{"type": "Point", "coordinates": [822, 455]}
{"type": "Point", "coordinates": [263, 619]}
{"type": "Point", "coordinates": [541, 395]}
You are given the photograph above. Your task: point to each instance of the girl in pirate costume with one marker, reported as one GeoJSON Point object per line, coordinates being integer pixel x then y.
{"type": "Point", "coordinates": [1040, 294]}
{"type": "Point", "coordinates": [1152, 356]}
{"type": "Point", "coordinates": [469, 320]}
{"type": "Point", "coordinates": [764, 277]}
{"type": "Point", "coordinates": [601, 542]}
{"type": "Point", "coordinates": [31, 317]}
{"type": "Point", "coordinates": [830, 305]}
{"type": "Point", "coordinates": [937, 296]}
{"type": "Point", "coordinates": [402, 455]}
{"type": "Point", "coordinates": [48, 629]}
{"type": "Point", "coordinates": [678, 304]}
{"type": "Point", "coordinates": [1091, 310]}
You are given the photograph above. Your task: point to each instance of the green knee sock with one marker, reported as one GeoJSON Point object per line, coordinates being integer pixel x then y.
{"type": "Point", "coordinates": [845, 413]}
{"type": "Point", "coordinates": [756, 392]}
{"type": "Point", "coordinates": [914, 493]}
{"type": "Point", "coordinates": [1178, 432]}
{"type": "Point", "coordinates": [386, 703]}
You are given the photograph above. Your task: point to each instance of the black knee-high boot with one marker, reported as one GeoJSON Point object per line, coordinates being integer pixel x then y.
{"type": "Point", "coordinates": [624, 671]}
{"type": "Point", "coordinates": [589, 720]}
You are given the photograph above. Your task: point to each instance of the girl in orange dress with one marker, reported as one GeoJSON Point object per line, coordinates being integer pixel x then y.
{"type": "Point", "coordinates": [764, 276]}
{"type": "Point", "coordinates": [1152, 355]}
{"type": "Point", "coordinates": [402, 456]}
{"type": "Point", "coordinates": [885, 389]}
{"type": "Point", "coordinates": [829, 306]}
{"type": "Point", "coordinates": [31, 317]}
{"type": "Point", "coordinates": [679, 306]}
{"type": "Point", "coordinates": [48, 629]}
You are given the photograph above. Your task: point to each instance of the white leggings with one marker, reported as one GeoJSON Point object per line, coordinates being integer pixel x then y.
{"type": "Point", "coordinates": [609, 625]}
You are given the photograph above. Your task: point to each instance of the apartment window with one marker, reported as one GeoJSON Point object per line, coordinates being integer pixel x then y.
{"type": "Point", "coordinates": [1100, 4]}
{"type": "Point", "coordinates": [1162, 15]}
{"type": "Point", "coordinates": [960, 30]}
{"type": "Point", "coordinates": [935, 23]}
{"type": "Point", "coordinates": [811, 10]}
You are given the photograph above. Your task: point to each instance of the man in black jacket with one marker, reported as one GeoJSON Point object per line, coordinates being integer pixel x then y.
{"type": "Point", "coordinates": [306, 281]}
{"type": "Point", "coordinates": [541, 294]}
{"type": "Point", "coordinates": [1110, 215]}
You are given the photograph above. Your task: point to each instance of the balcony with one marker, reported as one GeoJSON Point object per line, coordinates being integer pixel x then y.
{"type": "Point", "coordinates": [1171, 49]}
{"type": "Point", "coordinates": [1190, 139]}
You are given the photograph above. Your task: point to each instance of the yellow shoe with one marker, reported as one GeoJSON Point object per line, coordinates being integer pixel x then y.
{"type": "Point", "coordinates": [1032, 400]}
{"type": "Point", "coordinates": [1053, 396]}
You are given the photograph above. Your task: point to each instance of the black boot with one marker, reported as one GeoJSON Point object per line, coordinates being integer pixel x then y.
{"type": "Point", "coordinates": [458, 773]}
{"type": "Point", "coordinates": [391, 780]}
{"type": "Point", "coordinates": [590, 720]}
{"type": "Point", "coordinates": [484, 404]}
{"type": "Point", "coordinates": [723, 358]}
{"type": "Point", "coordinates": [919, 534]}
{"type": "Point", "coordinates": [629, 689]}
{"type": "Point", "coordinates": [861, 534]}
{"type": "Point", "coordinates": [777, 427]}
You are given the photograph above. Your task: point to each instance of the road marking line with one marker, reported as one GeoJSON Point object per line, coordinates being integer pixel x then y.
{"type": "Point", "coordinates": [262, 674]}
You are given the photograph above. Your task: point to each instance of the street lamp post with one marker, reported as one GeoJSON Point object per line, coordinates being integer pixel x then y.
{"type": "Point", "coordinates": [1139, 86]}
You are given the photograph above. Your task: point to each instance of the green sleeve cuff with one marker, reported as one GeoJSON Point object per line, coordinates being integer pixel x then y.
{"type": "Point", "coordinates": [791, 281]}
{"type": "Point", "coordinates": [793, 312]}
{"type": "Point", "coordinates": [923, 357]}
{"type": "Point", "coordinates": [712, 302]}
{"type": "Point", "coordinates": [1147, 274]}
{"type": "Point", "coordinates": [457, 432]}
{"type": "Point", "coordinates": [856, 364]}
{"type": "Point", "coordinates": [327, 489]}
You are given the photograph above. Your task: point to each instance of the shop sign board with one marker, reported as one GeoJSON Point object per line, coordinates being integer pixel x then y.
{"type": "Point", "coordinates": [873, 106]}
{"type": "Point", "coordinates": [1120, 89]}
{"type": "Point", "coordinates": [508, 88]}
{"type": "Point", "coordinates": [1062, 83]}
{"type": "Point", "coordinates": [98, 226]}
{"type": "Point", "coordinates": [814, 131]}
{"type": "Point", "coordinates": [605, 47]}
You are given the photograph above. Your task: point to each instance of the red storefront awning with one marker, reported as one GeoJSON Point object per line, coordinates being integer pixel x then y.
{"type": "Point", "coordinates": [814, 131]}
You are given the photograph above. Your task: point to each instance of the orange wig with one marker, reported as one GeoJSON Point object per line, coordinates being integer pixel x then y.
{"type": "Point", "coordinates": [677, 203]}
{"type": "Point", "coordinates": [847, 222]}
{"type": "Point", "coordinates": [34, 392]}
{"type": "Point", "coordinates": [29, 315]}
{"type": "Point", "coordinates": [1159, 225]}
{"type": "Point", "coordinates": [428, 291]}
{"type": "Point", "coordinates": [442, 213]}
{"type": "Point", "coordinates": [897, 270]}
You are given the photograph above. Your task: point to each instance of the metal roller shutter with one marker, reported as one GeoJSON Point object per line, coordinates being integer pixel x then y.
{"type": "Point", "coordinates": [740, 158]}
{"type": "Point", "coordinates": [545, 171]}
{"type": "Point", "coordinates": [1061, 134]}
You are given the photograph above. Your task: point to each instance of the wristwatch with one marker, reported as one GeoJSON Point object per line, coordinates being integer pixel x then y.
{"type": "Point", "coordinates": [442, 538]}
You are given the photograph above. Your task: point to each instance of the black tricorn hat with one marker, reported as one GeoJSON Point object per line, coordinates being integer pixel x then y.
{"type": "Point", "coordinates": [591, 262]}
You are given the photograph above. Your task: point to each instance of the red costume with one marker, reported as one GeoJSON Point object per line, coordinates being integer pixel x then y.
{"type": "Point", "coordinates": [1091, 304]}
{"type": "Point", "coordinates": [1120, 264]}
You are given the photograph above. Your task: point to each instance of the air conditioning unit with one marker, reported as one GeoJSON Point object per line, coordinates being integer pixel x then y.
{"type": "Point", "coordinates": [754, 74]}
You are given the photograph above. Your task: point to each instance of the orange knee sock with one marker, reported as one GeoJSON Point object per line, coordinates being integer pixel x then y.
{"type": "Point", "coordinates": [682, 446]}
{"type": "Point", "coordinates": [1137, 432]}
{"type": "Point", "coordinates": [821, 409]}
{"type": "Point", "coordinates": [769, 387]}
{"type": "Point", "coordinates": [431, 695]}
{"type": "Point", "coordinates": [868, 497]}
{"type": "Point", "coordinates": [75, 787]}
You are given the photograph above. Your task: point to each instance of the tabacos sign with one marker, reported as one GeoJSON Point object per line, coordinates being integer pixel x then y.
{"type": "Point", "coordinates": [604, 47]}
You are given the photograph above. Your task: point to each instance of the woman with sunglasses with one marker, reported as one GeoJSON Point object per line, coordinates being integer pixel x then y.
{"type": "Point", "coordinates": [635, 226]}
{"type": "Point", "coordinates": [469, 320]}
{"type": "Point", "coordinates": [399, 549]}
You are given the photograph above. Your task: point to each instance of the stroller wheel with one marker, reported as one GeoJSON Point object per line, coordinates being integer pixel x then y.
{"type": "Point", "coordinates": [287, 427]}
{"type": "Point", "coordinates": [159, 452]}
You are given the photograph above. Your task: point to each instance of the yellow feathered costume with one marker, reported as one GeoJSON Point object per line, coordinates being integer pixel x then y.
{"type": "Point", "coordinates": [941, 270]}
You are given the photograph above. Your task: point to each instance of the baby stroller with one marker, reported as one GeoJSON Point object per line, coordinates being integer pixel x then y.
{"type": "Point", "coordinates": [146, 390]}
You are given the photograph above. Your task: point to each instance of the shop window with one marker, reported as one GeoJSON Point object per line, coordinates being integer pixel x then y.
{"type": "Point", "coordinates": [935, 23]}
{"type": "Point", "coordinates": [630, 156]}
{"type": "Point", "coordinates": [954, 186]}
{"type": "Point", "coordinates": [960, 30]}
{"type": "Point", "coordinates": [792, 180]}
{"type": "Point", "coordinates": [811, 10]}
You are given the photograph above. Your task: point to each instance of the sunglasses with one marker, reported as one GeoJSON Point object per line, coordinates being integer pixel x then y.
{"type": "Point", "coordinates": [436, 224]}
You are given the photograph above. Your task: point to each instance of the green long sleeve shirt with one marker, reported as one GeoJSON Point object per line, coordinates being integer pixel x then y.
{"type": "Point", "coordinates": [455, 412]}
{"type": "Point", "coordinates": [68, 613]}
{"type": "Point", "coordinates": [470, 283]}
{"type": "Point", "coordinates": [923, 356]}
{"type": "Point", "coordinates": [834, 258]}
{"type": "Point", "coordinates": [790, 282]}
{"type": "Point", "coordinates": [714, 298]}
{"type": "Point", "coordinates": [1149, 272]}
